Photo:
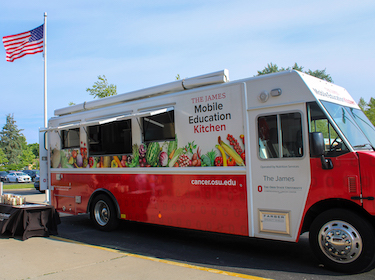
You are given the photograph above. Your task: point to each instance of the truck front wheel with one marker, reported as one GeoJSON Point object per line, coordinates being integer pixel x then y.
{"type": "Point", "coordinates": [103, 213]}
{"type": "Point", "coordinates": [343, 241]}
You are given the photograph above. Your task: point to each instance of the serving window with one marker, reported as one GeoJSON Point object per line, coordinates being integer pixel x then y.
{"type": "Point", "coordinates": [70, 138]}
{"type": "Point", "coordinates": [111, 138]}
{"type": "Point", "coordinates": [159, 127]}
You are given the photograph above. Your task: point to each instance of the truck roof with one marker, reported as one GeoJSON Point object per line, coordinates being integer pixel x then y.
{"type": "Point", "coordinates": [176, 86]}
{"type": "Point", "coordinates": [317, 88]}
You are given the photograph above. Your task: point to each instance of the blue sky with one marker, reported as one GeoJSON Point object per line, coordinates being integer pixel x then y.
{"type": "Point", "coordinates": [138, 44]}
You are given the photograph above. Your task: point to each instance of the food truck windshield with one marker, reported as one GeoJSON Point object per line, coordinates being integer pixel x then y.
{"type": "Point", "coordinates": [354, 125]}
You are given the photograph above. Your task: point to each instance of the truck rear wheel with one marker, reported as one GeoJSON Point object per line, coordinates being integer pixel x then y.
{"type": "Point", "coordinates": [103, 213]}
{"type": "Point", "coordinates": [343, 241]}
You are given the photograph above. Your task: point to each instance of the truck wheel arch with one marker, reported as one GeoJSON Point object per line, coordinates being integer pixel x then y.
{"type": "Point", "coordinates": [107, 192]}
{"type": "Point", "coordinates": [322, 206]}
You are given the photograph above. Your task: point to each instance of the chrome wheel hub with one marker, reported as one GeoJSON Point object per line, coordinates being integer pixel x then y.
{"type": "Point", "coordinates": [340, 242]}
{"type": "Point", "coordinates": [101, 213]}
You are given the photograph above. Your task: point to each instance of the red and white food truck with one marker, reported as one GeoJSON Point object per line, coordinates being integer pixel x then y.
{"type": "Point", "coordinates": [270, 157]}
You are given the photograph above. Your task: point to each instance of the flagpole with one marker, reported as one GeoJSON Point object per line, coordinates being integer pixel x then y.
{"type": "Point", "coordinates": [48, 191]}
{"type": "Point", "coordinates": [45, 69]}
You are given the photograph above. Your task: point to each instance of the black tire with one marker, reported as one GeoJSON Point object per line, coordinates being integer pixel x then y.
{"type": "Point", "coordinates": [343, 241]}
{"type": "Point", "coordinates": [103, 213]}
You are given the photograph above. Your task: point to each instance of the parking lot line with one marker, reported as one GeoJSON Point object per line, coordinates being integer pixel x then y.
{"type": "Point", "coordinates": [201, 268]}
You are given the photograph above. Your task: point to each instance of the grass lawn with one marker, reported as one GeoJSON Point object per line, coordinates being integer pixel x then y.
{"type": "Point", "coordinates": [18, 186]}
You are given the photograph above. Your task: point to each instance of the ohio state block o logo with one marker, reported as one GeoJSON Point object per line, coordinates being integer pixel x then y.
{"type": "Point", "coordinates": [260, 188]}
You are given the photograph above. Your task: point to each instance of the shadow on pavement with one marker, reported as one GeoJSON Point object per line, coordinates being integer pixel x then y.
{"type": "Point", "coordinates": [219, 251]}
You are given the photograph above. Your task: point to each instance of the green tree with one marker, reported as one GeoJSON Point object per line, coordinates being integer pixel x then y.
{"type": "Point", "coordinates": [15, 153]}
{"type": "Point", "coordinates": [3, 158]}
{"type": "Point", "coordinates": [368, 108]}
{"type": "Point", "coordinates": [11, 140]}
{"type": "Point", "coordinates": [27, 157]}
{"type": "Point", "coordinates": [273, 68]}
{"type": "Point", "coordinates": [101, 88]}
{"type": "Point", "coordinates": [321, 74]}
{"type": "Point", "coordinates": [362, 104]}
{"type": "Point", "coordinates": [270, 68]}
{"type": "Point", "coordinates": [34, 148]}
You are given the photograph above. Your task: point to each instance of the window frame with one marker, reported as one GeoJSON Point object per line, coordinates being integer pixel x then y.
{"type": "Point", "coordinates": [65, 137]}
{"type": "Point", "coordinates": [102, 142]}
{"type": "Point", "coordinates": [153, 118]}
{"type": "Point", "coordinates": [281, 150]}
{"type": "Point", "coordinates": [331, 130]}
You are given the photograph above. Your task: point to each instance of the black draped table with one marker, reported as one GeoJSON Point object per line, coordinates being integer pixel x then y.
{"type": "Point", "coordinates": [28, 220]}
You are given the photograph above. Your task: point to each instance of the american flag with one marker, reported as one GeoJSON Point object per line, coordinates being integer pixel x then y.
{"type": "Point", "coordinates": [19, 45]}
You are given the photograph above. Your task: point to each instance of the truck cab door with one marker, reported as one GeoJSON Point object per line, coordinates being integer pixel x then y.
{"type": "Point", "coordinates": [341, 180]}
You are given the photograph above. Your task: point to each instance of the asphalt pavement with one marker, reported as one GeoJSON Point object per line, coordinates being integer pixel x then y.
{"type": "Point", "coordinates": [59, 258]}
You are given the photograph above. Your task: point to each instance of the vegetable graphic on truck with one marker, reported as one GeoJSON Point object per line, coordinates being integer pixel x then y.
{"type": "Point", "coordinates": [269, 157]}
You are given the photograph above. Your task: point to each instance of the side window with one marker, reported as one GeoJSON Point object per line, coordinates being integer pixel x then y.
{"type": "Point", "coordinates": [268, 137]}
{"type": "Point", "coordinates": [110, 139]}
{"type": "Point", "coordinates": [70, 138]}
{"type": "Point", "coordinates": [280, 136]}
{"type": "Point", "coordinates": [159, 127]}
{"type": "Point", "coordinates": [318, 122]}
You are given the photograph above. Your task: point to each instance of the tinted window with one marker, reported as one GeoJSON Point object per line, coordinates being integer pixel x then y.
{"type": "Point", "coordinates": [111, 138]}
{"type": "Point", "coordinates": [159, 127]}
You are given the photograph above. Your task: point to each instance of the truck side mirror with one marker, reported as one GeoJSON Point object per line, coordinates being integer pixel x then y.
{"type": "Point", "coordinates": [316, 144]}
{"type": "Point", "coordinates": [317, 149]}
